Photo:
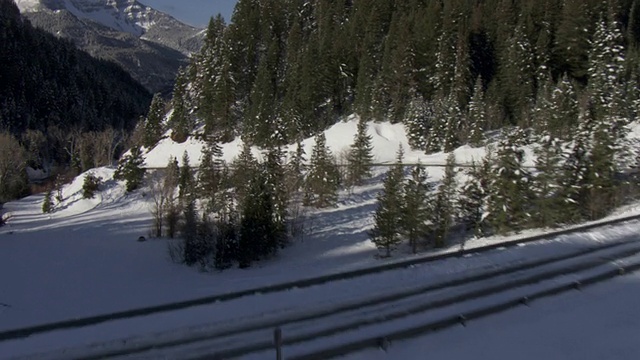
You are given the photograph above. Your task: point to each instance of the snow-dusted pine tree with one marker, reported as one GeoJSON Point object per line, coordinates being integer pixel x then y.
{"type": "Point", "coordinates": [388, 216]}
{"type": "Point", "coordinates": [510, 199]}
{"type": "Point", "coordinates": [547, 203]}
{"type": "Point", "coordinates": [180, 120]}
{"type": "Point", "coordinates": [360, 157]}
{"type": "Point", "coordinates": [472, 197]}
{"type": "Point", "coordinates": [296, 168]}
{"type": "Point", "coordinates": [244, 167]}
{"type": "Point", "coordinates": [209, 178]}
{"type": "Point", "coordinates": [321, 184]}
{"type": "Point", "coordinates": [130, 169]}
{"type": "Point", "coordinates": [607, 76]}
{"type": "Point", "coordinates": [563, 111]}
{"type": "Point", "coordinates": [445, 203]}
{"type": "Point", "coordinates": [417, 122]}
{"type": "Point", "coordinates": [416, 208]}
{"type": "Point", "coordinates": [153, 123]}
{"type": "Point", "coordinates": [576, 168]}
{"type": "Point", "coordinates": [187, 180]}
{"type": "Point", "coordinates": [476, 115]}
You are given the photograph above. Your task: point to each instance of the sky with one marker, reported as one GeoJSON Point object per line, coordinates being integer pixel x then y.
{"type": "Point", "coordinates": [194, 12]}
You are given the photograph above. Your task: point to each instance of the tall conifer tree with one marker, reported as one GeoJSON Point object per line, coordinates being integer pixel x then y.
{"type": "Point", "coordinates": [388, 216]}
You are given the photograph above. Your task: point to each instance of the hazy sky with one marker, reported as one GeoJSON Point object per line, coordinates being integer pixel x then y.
{"type": "Point", "coordinates": [194, 12]}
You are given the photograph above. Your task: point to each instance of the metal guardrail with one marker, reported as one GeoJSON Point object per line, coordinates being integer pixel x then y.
{"type": "Point", "coordinates": [133, 347]}
{"type": "Point", "coordinates": [377, 341]}
{"type": "Point", "coordinates": [93, 320]}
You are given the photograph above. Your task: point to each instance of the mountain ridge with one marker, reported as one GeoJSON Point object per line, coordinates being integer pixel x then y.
{"type": "Point", "coordinates": [149, 44]}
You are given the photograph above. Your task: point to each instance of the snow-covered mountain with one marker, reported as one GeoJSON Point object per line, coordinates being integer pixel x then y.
{"type": "Point", "coordinates": [150, 44]}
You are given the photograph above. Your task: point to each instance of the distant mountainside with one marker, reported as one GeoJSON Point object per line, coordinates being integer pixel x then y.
{"type": "Point", "coordinates": [149, 44]}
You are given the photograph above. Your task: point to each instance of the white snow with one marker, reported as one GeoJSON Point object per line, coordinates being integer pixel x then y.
{"type": "Point", "coordinates": [597, 323]}
{"type": "Point", "coordinates": [83, 259]}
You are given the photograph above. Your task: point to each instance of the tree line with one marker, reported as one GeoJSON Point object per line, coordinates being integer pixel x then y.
{"type": "Point", "coordinates": [244, 211]}
{"type": "Point", "coordinates": [282, 71]}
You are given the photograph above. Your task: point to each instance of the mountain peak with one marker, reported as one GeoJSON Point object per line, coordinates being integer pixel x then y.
{"type": "Point", "coordinates": [150, 44]}
{"type": "Point", "coordinates": [128, 16]}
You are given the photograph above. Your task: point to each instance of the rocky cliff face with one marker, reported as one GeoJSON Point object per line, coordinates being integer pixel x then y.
{"type": "Point", "coordinates": [151, 45]}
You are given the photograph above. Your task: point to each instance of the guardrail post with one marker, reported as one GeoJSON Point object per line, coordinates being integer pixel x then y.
{"type": "Point", "coordinates": [277, 341]}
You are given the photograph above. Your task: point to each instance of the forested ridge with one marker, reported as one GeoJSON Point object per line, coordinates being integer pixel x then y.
{"type": "Point", "coordinates": [558, 77]}
{"type": "Point", "coordinates": [56, 100]}
{"type": "Point", "coordinates": [283, 70]}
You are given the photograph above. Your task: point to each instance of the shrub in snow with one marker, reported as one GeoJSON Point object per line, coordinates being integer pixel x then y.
{"type": "Point", "coordinates": [90, 185]}
{"type": "Point", "coordinates": [47, 203]}
{"type": "Point", "coordinates": [130, 169]}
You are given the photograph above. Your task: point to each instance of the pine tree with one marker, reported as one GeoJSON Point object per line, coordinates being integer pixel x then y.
{"type": "Point", "coordinates": [47, 203]}
{"type": "Point", "coordinates": [472, 197]}
{"type": "Point", "coordinates": [416, 208]}
{"type": "Point", "coordinates": [90, 185]}
{"type": "Point", "coordinates": [508, 203]}
{"type": "Point", "coordinates": [295, 169]}
{"type": "Point", "coordinates": [546, 188]}
{"type": "Point", "coordinates": [226, 246]}
{"type": "Point", "coordinates": [189, 235]}
{"type": "Point", "coordinates": [187, 181]}
{"type": "Point", "coordinates": [444, 204]}
{"type": "Point", "coordinates": [360, 156]}
{"type": "Point", "coordinates": [153, 122]}
{"type": "Point", "coordinates": [274, 172]}
{"type": "Point", "coordinates": [209, 177]}
{"type": "Point", "coordinates": [563, 111]}
{"type": "Point", "coordinates": [542, 112]}
{"type": "Point", "coordinates": [397, 67]}
{"type": "Point", "coordinates": [321, 184]}
{"type": "Point", "coordinates": [180, 118]}
{"type": "Point", "coordinates": [602, 182]}
{"type": "Point", "coordinates": [571, 46]}
{"type": "Point", "coordinates": [388, 217]}
{"type": "Point", "coordinates": [215, 83]}
{"type": "Point", "coordinates": [258, 230]}
{"type": "Point", "coordinates": [244, 168]}
{"type": "Point", "coordinates": [439, 123]}
{"type": "Point", "coordinates": [576, 168]}
{"type": "Point", "coordinates": [130, 169]}
{"type": "Point", "coordinates": [607, 78]}
{"type": "Point", "coordinates": [517, 76]}
{"type": "Point", "coordinates": [453, 122]}
{"type": "Point", "coordinates": [172, 207]}
{"type": "Point", "coordinates": [476, 115]}
{"type": "Point", "coordinates": [418, 122]}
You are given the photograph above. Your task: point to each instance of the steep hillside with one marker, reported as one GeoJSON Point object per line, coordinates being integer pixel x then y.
{"type": "Point", "coordinates": [149, 44]}
{"type": "Point", "coordinates": [48, 82]}
{"type": "Point", "coordinates": [56, 100]}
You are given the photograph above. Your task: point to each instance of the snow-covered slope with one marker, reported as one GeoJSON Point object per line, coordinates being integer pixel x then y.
{"type": "Point", "coordinates": [386, 139]}
{"type": "Point", "coordinates": [83, 259]}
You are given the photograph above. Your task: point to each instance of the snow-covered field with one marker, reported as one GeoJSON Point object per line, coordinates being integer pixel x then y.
{"type": "Point", "coordinates": [84, 259]}
{"type": "Point", "coordinates": [597, 323]}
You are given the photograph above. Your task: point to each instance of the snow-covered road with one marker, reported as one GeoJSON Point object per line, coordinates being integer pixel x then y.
{"type": "Point", "coordinates": [272, 309]}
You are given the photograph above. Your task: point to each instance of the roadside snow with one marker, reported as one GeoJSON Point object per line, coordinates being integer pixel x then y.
{"type": "Point", "coordinates": [598, 323]}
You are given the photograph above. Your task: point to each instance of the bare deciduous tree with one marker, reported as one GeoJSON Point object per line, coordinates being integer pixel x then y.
{"type": "Point", "coordinates": [163, 188]}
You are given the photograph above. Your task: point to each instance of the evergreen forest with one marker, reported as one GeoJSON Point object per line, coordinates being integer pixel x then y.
{"type": "Point", "coordinates": [560, 74]}
{"type": "Point", "coordinates": [283, 70]}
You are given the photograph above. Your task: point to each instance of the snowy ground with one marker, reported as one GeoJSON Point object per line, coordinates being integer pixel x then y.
{"type": "Point", "coordinates": [597, 323]}
{"type": "Point", "coordinates": [84, 259]}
